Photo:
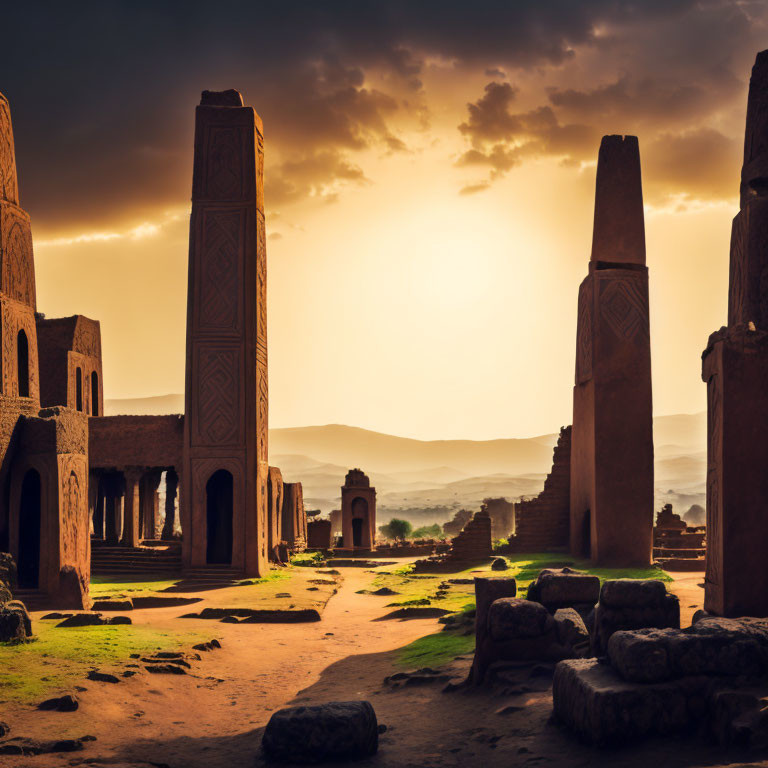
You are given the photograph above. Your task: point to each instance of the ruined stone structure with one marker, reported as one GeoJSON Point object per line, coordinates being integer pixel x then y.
{"type": "Point", "coordinates": [293, 518]}
{"type": "Point", "coordinates": [336, 522]}
{"type": "Point", "coordinates": [225, 473]}
{"type": "Point", "coordinates": [502, 514]}
{"type": "Point", "coordinates": [358, 511]}
{"type": "Point", "coordinates": [543, 523]}
{"type": "Point", "coordinates": [214, 457]}
{"type": "Point", "coordinates": [275, 511]}
{"type": "Point", "coordinates": [319, 534]}
{"type": "Point", "coordinates": [612, 441]}
{"type": "Point", "coordinates": [735, 369]}
{"type": "Point", "coordinates": [43, 452]}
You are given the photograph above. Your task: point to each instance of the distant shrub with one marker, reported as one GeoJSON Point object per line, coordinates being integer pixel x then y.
{"type": "Point", "coordinates": [428, 532]}
{"type": "Point", "coordinates": [499, 544]}
{"type": "Point", "coordinates": [397, 530]}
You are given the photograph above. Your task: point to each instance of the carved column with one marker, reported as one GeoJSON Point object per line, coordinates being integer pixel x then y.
{"type": "Point", "coordinates": [150, 503]}
{"type": "Point", "coordinates": [96, 504]}
{"type": "Point", "coordinates": [171, 489]}
{"type": "Point", "coordinates": [131, 510]}
{"type": "Point", "coordinates": [112, 487]}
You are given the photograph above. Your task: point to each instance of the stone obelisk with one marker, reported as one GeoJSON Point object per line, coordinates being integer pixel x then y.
{"type": "Point", "coordinates": [735, 369]}
{"type": "Point", "coordinates": [224, 479]}
{"type": "Point", "coordinates": [612, 439]}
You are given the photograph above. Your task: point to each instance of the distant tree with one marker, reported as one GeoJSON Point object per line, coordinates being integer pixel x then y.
{"type": "Point", "coordinates": [460, 519]}
{"type": "Point", "coordinates": [696, 515]}
{"type": "Point", "coordinates": [397, 530]}
{"type": "Point", "coordinates": [434, 531]}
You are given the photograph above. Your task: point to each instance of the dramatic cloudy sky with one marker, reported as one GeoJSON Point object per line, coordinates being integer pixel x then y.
{"type": "Point", "coordinates": [429, 181]}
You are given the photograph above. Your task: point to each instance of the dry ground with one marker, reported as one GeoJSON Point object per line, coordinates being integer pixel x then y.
{"type": "Point", "coordinates": [214, 716]}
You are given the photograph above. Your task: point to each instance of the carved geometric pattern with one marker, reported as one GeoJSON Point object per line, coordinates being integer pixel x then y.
{"type": "Point", "coordinates": [218, 412]}
{"type": "Point", "coordinates": [220, 270]}
{"type": "Point", "coordinates": [225, 163]}
{"type": "Point", "coordinates": [262, 412]}
{"type": "Point", "coordinates": [261, 278]}
{"type": "Point", "coordinates": [8, 186]}
{"type": "Point", "coordinates": [17, 260]}
{"type": "Point", "coordinates": [584, 334]}
{"type": "Point", "coordinates": [624, 308]}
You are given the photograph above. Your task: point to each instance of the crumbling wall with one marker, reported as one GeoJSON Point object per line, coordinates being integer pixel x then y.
{"type": "Point", "coordinates": [543, 523]}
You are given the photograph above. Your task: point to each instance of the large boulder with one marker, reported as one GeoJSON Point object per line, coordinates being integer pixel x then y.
{"type": "Point", "coordinates": [342, 730]}
{"type": "Point", "coordinates": [15, 624]}
{"type": "Point", "coordinates": [564, 588]}
{"type": "Point", "coordinates": [632, 604]}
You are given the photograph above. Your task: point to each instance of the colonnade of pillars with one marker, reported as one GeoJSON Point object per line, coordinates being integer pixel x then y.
{"type": "Point", "coordinates": [125, 504]}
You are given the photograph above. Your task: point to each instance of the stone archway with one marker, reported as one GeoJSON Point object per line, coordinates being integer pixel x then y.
{"type": "Point", "coordinates": [219, 499]}
{"type": "Point", "coordinates": [29, 531]}
{"type": "Point", "coordinates": [359, 520]}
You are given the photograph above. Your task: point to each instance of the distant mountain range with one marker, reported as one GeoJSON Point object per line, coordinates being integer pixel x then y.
{"type": "Point", "coordinates": [427, 480]}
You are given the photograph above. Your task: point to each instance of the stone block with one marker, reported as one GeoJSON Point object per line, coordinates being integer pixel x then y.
{"type": "Point", "coordinates": [343, 730]}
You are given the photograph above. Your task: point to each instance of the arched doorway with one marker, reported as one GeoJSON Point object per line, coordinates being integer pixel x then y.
{"type": "Point", "coordinates": [94, 394]}
{"type": "Point", "coordinates": [359, 520]}
{"type": "Point", "coordinates": [219, 507]}
{"type": "Point", "coordinates": [79, 389]}
{"type": "Point", "coordinates": [29, 531]}
{"type": "Point", "coordinates": [22, 360]}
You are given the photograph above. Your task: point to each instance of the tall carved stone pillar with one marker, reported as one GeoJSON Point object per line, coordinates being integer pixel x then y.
{"type": "Point", "coordinates": [735, 369]}
{"type": "Point", "coordinates": [131, 508]}
{"type": "Point", "coordinates": [611, 494]}
{"type": "Point", "coordinates": [150, 504]}
{"type": "Point", "coordinates": [171, 489]}
{"type": "Point", "coordinates": [225, 471]}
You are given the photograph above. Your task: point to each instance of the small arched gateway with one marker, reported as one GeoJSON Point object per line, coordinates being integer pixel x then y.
{"type": "Point", "coordinates": [219, 499]}
{"type": "Point", "coordinates": [29, 531]}
{"type": "Point", "coordinates": [358, 511]}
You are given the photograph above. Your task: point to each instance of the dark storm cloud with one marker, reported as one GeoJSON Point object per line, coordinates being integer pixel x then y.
{"type": "Point", "coordinates": [671, 84]}
{"type": "Point", "coordinates": [102, 92]}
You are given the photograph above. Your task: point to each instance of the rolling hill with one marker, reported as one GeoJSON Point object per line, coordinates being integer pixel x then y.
{"type": "Point", "coordinates": [427, 480]}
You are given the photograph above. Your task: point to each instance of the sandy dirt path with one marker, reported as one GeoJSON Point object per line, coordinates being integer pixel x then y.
{"type": "Point", "coordinates": [191, 721]}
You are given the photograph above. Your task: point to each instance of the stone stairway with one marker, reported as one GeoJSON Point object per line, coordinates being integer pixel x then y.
{"type": "Point", "coordinates": [157, 558]}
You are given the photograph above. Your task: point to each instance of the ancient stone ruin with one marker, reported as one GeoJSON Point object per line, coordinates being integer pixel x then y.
{"type": "Point", "coordinates": [542, 524]}
{"type": "Point", "coordinates": [44, 520]}
{"type": "Point", "coordinates": [677, 546]}
{"type": "Point", "coordinates": [234, 511]}
{"type": "Point", "coordinates": [358, 511]}
{"type": "Point", "coordinates": [735, 369]}
{"type": "Point", "coordinates": [612, 440]}
{"type": "Point", "coordinates": [293, 518]}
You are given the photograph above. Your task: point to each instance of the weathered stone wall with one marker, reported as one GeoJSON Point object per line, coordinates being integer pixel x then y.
{"type": "Point", "coordinates": [116, 442]}
{"type": "Point", "coordinates": [543, 523]}
{"type": "Point", "coordinates": [474, 542]}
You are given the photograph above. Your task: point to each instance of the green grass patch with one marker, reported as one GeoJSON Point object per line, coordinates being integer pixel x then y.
{"type": "Point", "coordinates": [435, 650]}
{"type": "Point", "coordinates": [525, 568]}
{"type": "Point", "coordinates": [60, 658]}
{"type": "Point", "coordinates": [103, 586]}
{"type": "Point", "coordinates": [308, 559]}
